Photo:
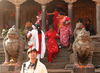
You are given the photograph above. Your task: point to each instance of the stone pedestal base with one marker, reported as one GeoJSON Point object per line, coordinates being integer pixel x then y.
{"type": "Point", "coordinates": [69, 66]}
{"type": "Point", "coordinates": [84, 70]}
{"type": "Point", "coordinates": [9, 69]}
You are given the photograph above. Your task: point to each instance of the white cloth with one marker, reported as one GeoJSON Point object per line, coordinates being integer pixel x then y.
{"type": "Point", "coordinates": [40, 68]}
{"type": "Point", "coordinates": [38, 56]}
{"type": "Point", "coordinates": [38, 19]}
{"type": "Point", "coordinates": [33, 27]}
{"type": "Point", "coordinates": [34, 41]}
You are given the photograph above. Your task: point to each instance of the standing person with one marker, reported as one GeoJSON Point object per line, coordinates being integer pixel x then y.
{"type": "Point", "coordinates": [33, 65]}
{"type": "Point", "coordinates": [55, 14]}
{"type": "Point", "coordinates": [39, 18]}
{"type": "Point", "coordinates": [65, 32]}
{"type": "Point", "coordinates": [28, 27]}
{"type": "Point", "coordinates": [52, 47]}
{"type": "Point", "coordinates": [90, 27]}
{"type": "Point", "coordinates": [37, 38]}
{"type": "Point", "coordinates": [61, 18]}
{"type": "Point", "coordinates": [78, 27]}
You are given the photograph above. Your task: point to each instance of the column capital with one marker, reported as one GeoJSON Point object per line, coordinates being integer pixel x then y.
{"type": "Point", "coordinates": [70, 1]}
{"type": "Point", "coordinates": [43, 6]}
{"type": "Point", "coordinates": [17, 2]}
{"type": "Point", "coordinates": [43, 2]}
{"type": "Point", "coordinates": [0, 0]}
{"type": "Point", "coordinates": [70, 5]}
{"type": "Point", "coordinates": [97, 2]}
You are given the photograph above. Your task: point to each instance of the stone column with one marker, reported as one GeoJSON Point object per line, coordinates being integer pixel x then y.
{"type": "Point", "coordinates": [43, 16]}
{"type": "Point", "coordinates": [70, 14]}
{"type": "Point", "coordinates": [97, 16]}
{"type": "Point", "coordinates": [17, 16]}
{"type": "Point", "coordinates": [70, 6]}
{"type": "Point", "coordinates": [17, 3]}
{"type": "Point", "coordinates": [70, 9]}
{"type": "Point", "coordinates": [1, 21]}
{"type": "Point", "coordinates": [43, 6]}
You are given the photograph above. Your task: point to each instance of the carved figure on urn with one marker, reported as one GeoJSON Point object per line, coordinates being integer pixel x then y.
{"type": "Point", "coordinates": [13, 47]}
{"type": "Point", "coordinates": [83, 49]}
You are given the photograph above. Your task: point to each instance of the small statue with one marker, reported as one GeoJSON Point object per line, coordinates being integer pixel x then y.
{"type": "Point", "coordinates": [4, 31]}
{"type": "Point", "coordinates": [13, 47]}
{"type": "Point", "coordinates": [83, 49]}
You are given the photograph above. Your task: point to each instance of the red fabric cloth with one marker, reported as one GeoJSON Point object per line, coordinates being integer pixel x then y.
{"type": "Point", "coordinates": [52, 47]}
{"type": "Point", "coordinates": [30, 46]}
{"type": "Point", "coordinates": [39, 40]}
{"type": "Point", "coordinates": [55, 20]}
{"type": "Point", "coordinates": [67, 18]}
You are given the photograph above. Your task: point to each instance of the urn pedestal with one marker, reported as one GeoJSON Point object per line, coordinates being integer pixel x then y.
{"type": "Point", "coordinates": [84, 69]}
{"type": "Point", "coordinates": [9, 69]}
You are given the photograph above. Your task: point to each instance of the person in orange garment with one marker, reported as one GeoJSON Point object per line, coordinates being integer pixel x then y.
{"type": "Point", "coordinates": [55, 14]}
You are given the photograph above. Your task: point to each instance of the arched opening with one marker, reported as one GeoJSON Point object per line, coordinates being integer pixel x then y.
{"type": "Point", "coordinates": [85, 9]}
{"type": "Point", "coordinates": [57, 4]}
{"type": "Point", "coordinates": [7, 14]}
{"type": "Point", "coordinates": [81, 9]}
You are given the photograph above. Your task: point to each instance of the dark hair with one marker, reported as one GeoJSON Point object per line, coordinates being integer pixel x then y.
{"type": "Point", "coordinates": [62, 13]}
{"type": "Point", "coordinates": [57, 9]}
{"type": "Point", "coordinates": [51, 26]}
{"type": "Point", "coordinates": [89, 20]}
{"type": "Point", "coordinates": [80, 20]}
{"type": "Point", "coordinates": [38, 28]}
{"type": "Point", "coordinates": [32, 50]}
{"type": "Point", "coordinates": [30, 21]}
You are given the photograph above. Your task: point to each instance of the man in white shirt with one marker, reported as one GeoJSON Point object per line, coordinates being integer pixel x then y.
{"type": "Point", "coordinates": [33, 65]}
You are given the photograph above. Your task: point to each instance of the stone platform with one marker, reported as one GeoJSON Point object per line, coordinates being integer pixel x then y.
{"type": "Point", "coordinates": [9, 69]}
{"type": "Point", "coordinates": [83, 69]}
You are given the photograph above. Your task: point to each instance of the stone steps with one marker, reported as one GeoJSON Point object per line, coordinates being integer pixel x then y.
{"type": "Point", "coordinates": [59, 62]}
{"type": "Point", "coordinates": [2, 55]}
{"type": "Point", "coordinates": [62, 59]}
{"type": "Point", "coordinates": [96, 58]}
{"type": "Point", "coordinates": [66, 71]}
{"type": "Point", "coordinates": [97, 70]}
{"type": "Point", "coordinates": [55, 65]}
{"type": "Point", "coordinates": [59, 71]}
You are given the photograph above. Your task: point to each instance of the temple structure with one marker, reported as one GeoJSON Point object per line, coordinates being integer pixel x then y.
{"type": "Point", "coordinates": [13, 13]}
{"type": "Point", "coordinates": [18, 12]}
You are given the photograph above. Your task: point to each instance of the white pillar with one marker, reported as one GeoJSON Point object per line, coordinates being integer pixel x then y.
{"type": "Point", "coordinates": [97, 16]}
{"type": "Point", "coordinates": [17, 15]}
{"type": "Point", "coordinates": [70, 5]}
{"type": "Point", "coordinates": [70, 9]}
{"type": "Point", "coordinates": [43, 16]}
{"type": "Point", "coordinates": [43, 6]}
